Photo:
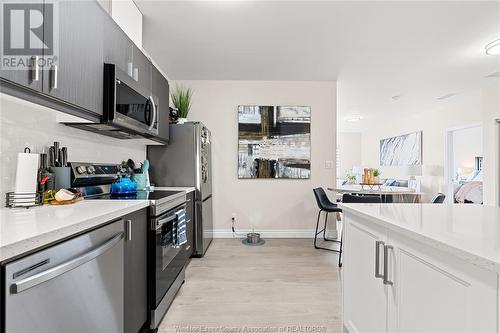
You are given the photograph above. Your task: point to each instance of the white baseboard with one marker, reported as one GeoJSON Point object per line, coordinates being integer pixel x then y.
{"type": "Point", "coordinates": [273, 233]}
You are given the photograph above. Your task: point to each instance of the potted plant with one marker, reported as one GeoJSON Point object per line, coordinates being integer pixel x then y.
{"type": "Point", "coordinates": [181, 98]}
{"type": "Point", "coordinates": [351, 179]}
{"type": "Point", "coordinates": [376, 174]}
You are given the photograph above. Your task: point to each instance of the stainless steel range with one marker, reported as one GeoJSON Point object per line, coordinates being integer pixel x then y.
{"type": "Point", "coordinates": [167, 217]}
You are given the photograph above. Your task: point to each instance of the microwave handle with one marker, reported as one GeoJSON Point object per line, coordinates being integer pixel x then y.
{"type": "Point", "coordinates": [153, 120]}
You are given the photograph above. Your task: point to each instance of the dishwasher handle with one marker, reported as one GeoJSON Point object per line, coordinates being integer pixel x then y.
{"type": "Point", "coordinates": [67, 266]}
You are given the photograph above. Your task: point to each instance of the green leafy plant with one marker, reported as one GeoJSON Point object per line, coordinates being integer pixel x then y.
{"type": "Point", "coordinates": [181, 97]}
{"type": "Point", "coordinates": [350, 178]}
{"type": "Point", "coordinates": [376, 172]}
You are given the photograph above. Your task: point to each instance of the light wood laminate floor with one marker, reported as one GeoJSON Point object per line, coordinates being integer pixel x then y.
{"type": "Point", "coordinates": [283, 286]}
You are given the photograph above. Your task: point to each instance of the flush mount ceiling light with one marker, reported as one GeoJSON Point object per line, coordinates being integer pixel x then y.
{"type": "Point", "coordinates": [493, 48]}
{"type": "Point", "coordinates": [353, 118]}
{"type": "Point", "coordinates": [445, 96]}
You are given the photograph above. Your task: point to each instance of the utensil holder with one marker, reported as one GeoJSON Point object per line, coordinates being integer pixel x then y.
{"type": "Point", "coordinates": [140, 181]}
{"type": "Point", "coordinates": [62, 177]}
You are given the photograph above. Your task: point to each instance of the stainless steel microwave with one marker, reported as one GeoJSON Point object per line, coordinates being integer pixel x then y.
{"type": "Point", "coordinates": [127, 104]}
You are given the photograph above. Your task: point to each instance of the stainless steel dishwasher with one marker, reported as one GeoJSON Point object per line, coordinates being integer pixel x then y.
{"type": "Point", "coordinates": [74, 286]}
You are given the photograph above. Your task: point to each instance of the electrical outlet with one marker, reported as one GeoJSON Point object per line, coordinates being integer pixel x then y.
{"type": "Point", "coordinates": [329, 164]}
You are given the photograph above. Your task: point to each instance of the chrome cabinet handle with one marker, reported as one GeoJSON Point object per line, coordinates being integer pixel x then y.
{"type": "Point", "coordinates": [377, 259]}
{"type": "Point", "coordinates": [386, 265]}
{"type": "Point", "coordinates": [65, 267]}
{"type": "Point", "coordinates": [53, 77]}
{"type": "Point", "coordinates": [153, 120]}
{"type": "Point", "coordinates": [129, 230]}
{"type": "Point", "coordinates": [188, 247]}
{"type": "Point", "coordinates": [35, 76]}
{"type": "Point", "coordinates": [136, 74]}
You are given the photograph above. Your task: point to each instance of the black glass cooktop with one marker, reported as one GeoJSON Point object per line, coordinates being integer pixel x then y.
{"type": "Point", "coordinates": [140, 195]}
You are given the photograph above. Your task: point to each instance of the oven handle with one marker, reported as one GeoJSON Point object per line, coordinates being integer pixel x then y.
{"type": "Point", "coordinates": [161, 222]}
{"type": "Point", "coordinates": [153, 120]}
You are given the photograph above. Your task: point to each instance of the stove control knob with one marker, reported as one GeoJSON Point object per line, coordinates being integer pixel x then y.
{"type": "Point", "coordinates": [91, 169]}
{"type": "Point", "coordinates": [81, 169]}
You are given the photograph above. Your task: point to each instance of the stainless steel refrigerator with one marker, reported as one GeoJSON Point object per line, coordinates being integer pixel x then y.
{"type": "Point", "coordinates": [186, 161]}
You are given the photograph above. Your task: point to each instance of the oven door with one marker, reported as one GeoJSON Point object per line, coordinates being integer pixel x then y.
{"type": "Point", "coordinates": [127, 104]}
{"type": "Point", "coordinates": [168, 262]}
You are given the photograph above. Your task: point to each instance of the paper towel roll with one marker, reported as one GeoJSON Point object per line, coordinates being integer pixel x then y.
{"type": "Point", "coordinates": [26, 174]}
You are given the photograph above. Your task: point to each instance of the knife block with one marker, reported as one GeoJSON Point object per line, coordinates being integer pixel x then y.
{"type": "Point", "coordinates": [62, 177]}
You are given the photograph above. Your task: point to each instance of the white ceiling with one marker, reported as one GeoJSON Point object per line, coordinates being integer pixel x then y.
{"type": "Point", "coordinates": [375, 50]}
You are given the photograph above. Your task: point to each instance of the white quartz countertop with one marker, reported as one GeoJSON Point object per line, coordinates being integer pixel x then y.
{"type": "Point", "coordinates": [23, 230]}
{"type": "Point", "coordinates": [187, 189]}
{"type": "Point", "coordinates": [471, 232]}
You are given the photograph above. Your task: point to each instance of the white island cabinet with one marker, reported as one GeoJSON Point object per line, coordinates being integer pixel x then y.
{"type": "Point", "coordinates": [420, 268]}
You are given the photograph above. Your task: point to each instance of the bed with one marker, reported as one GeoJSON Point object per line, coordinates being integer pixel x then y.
{"type": "Point", "coordinates": [469, 190]}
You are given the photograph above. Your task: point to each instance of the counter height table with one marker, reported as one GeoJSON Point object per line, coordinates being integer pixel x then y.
{"type": "Point", "coordinates": [402, 194]}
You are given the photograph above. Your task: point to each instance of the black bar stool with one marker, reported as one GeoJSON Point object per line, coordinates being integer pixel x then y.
{"type": "Point", "coordinates": [438, 198]}
{"type": "Point", "coordinates": [325, 205]}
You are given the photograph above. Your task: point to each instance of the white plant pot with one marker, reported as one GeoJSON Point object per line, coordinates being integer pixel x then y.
{"type": "Point", "coordinates": [181, 120]}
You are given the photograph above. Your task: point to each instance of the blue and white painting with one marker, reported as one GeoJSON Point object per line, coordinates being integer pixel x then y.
{"type": "Point", "coordinates": [401, 150]}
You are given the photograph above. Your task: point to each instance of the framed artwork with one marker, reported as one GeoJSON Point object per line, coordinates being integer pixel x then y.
{"type": "Point", "coordinates": [401, 150]}
{"type": "Point", "coordinates": [274, 141]}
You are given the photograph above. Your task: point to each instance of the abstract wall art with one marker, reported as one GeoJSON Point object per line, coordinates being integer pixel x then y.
{"type": "Point", "coordinates": [401, 150]}
{"type": "Point", "coordinates": [274, 141]}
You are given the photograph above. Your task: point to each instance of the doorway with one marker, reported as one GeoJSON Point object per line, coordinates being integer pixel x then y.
{"type": "Point", "coordinates": [464, 164]}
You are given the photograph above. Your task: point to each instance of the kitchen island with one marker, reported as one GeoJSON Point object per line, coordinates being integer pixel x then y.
{"type": "Point", "coordinates": [421, 267]}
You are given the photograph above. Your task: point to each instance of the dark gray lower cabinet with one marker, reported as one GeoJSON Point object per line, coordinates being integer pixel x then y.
{"type": "Point", "coordinates": [189, 246]}
{"type": "Point", "coordinates": [135, 289]}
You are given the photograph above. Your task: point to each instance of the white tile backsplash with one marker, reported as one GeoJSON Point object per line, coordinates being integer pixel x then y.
{"type": "Point", "coordinates": [26, 124]}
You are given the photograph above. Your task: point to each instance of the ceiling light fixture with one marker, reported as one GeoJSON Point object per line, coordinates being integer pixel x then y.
{"type": "Point", "coordinates": [353, 118]}
{"type": "Point", "coordinates": [445, 96]}
{"type": "Point", "coordinates": [493, 48]}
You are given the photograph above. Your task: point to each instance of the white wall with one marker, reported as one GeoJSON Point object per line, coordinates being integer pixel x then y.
{"type": "Point", "coordinates": [350, 151]}
{"type": "Point", "coordinates": [467, 144]}
{"type": "Point", "coordinates": [460, 110]}
{"type": "Point", "coordinates": [129, 18]}
{"type": "Point", "coordinates": [267, 204]}
{"type": "Point", "coordinates": [26, 124]}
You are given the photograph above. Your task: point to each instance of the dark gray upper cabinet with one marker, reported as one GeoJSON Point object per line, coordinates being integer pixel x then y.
{"type": "Point", "coordinates": [142, 68]}
{"type": "Point", "coordinates": [30, 77]}
{"type": "Point", "coordinates": [135, 283]}
{"type": "Point", "coordinates": [118, 48]}
{"type": "Point", "coordinates": [161, 96]}
{"type": "Point", "coordinates": [77, 76]}
{"type": "Point", "coordinates": [86, 37]}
